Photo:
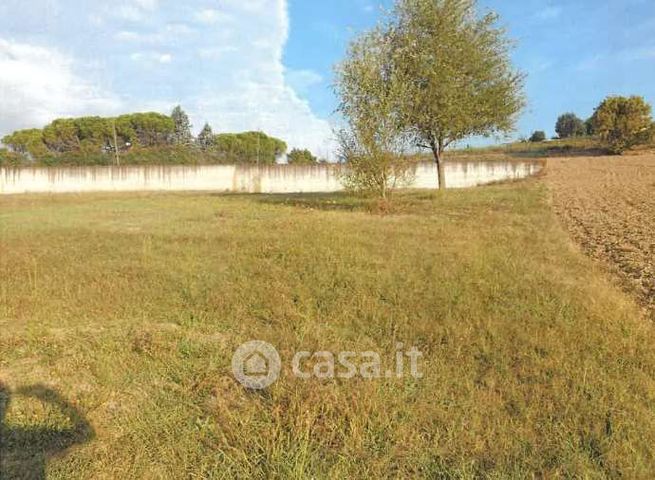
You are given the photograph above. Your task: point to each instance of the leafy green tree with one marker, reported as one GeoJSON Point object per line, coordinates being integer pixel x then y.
{"type": "Point", "coordinates": [27, 143]}
{"type": "Point", "coordinates": [589, 126]}
{"type": "Point", "coordinates": [10, 159]}
{"type": "Point", "coordinates": [302, 157]}
{"type": "Point", "coordinates": [624, 122]}
{"type": "Point", "coordinates": [206, 137]}
{"type": "Point", "coordinates": [248, 147]}
{"type": "Point", "coordinates": [456, 73]}
{"type": "Point", "coordinates": [148, 129]}
{"type": "Point", "coordinates": [375, 140]}
{"type": "Point", "coordinates": [182, 132]}
{"type": "Point", "coordinates": [538, 136]}
{"type": "Point", "coordinates": [62, 136]}
{"type": "Point", "coordinates": [569, 125]}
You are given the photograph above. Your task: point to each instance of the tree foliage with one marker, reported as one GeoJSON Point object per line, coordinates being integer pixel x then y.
{"type": "Point", "coordinates": [9, 159]}
{"type": "Point", "coordinates": [248, 147]}
{"type": "Point", "coordinates": [206, 137]}
{"type": "Point", "coordinates": [149, 129]}
{"type": "Point", "coordinates": [538, 136]}
{"type": "Point", "coordinates": [446, 74]}
{"type": "Point", "coordinates": [375, 140]}
{"type": "Point", "coordinates": [457, 72]}
{"type": "Point", "coordinates": [92, 135]}
{"type": "Point", "coordinates": [182, 127]}
{"type": "Point", "coordinates": [302, 157]}
{"type": "Point", "coordinates": [27, 142]}
{"type": "Point", "coordinates": [624, 122]}
{"type": "Point", "coordinates": [569, 125]}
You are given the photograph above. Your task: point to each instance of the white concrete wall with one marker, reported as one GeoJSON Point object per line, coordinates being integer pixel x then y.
{"type": "Point", "coordinates": [231, 178]}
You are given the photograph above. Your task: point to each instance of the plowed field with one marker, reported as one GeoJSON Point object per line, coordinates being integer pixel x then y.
{"type": "Point", "coordinates": [608, 205]}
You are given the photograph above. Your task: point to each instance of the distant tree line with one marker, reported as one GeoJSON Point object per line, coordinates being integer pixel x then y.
{"type": "Point", "coordinates": [92, 135]}
{"type": "Point", "coordinates": [620, 123]}
{"type": "Point", "coordinates": [140, 138]}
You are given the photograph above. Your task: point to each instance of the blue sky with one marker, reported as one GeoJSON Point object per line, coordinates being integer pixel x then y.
{"type": "Point", "coordinates": [267, 64]}
{"type": "Point", "coordinates": [573, 52]}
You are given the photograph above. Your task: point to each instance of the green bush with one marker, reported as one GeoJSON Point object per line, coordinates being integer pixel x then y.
{"type": "Point", "coordinates": [622, 122]}
{"type": "Point", "coordinates": [538, 136]}
{"type": "Point", "coordinates": [302, 157]}
{"type": "Point", "coordinates": [569, 125]}
{"type": "Point", "coordinates": [27, 142]}
{"type": "Point", "coordinates": [247, 147]}
{"type": "Point", "coordinates": [9, 159]}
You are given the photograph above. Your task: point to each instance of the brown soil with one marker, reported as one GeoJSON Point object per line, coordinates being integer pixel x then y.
{"type": "Point", "coordinates": [608, 205]}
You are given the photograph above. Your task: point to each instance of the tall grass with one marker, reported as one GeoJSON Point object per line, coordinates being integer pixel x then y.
{"type": "Point", "coordinates": [131, 306]}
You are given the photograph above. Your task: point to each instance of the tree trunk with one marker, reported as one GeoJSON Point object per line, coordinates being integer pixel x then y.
{"type": "Point", "coordinates": [118, 158]}
{"type": "Point", "coordinates": [438, 159]}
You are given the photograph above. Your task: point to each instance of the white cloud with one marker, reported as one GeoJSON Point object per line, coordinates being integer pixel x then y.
{"type": "Point", "coordinates": [216, 53]}
{"type": "Point", "coordinates": [212, 16]}
{"type": "Point", "coordinates": [148, 58]}
{"type": "Point", "coordinates": [134, 11]}
{"type": "Point", "coordinates": [230, 73]}
{"type": "Point", "coordinates": [128, 36]}
{"type": "Point", "coordinates": [129, 12]}
{"type": "Point", "coordinates": [147, 4]}
{"type": "Point", "coordinates": [252, 90]}
{"type": "Point", "coordinates": [39, 84]}
{"type": "Point", "coordinates": [169, 34]}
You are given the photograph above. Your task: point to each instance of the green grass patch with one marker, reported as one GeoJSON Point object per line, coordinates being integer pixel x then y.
{"type": "Point", "coordinates": [130, 307]}
{"type": "Point", "coordinates": [578, 146]}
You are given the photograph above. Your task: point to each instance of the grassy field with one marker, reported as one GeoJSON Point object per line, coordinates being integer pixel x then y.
{"type": "Point", "coordinates": [119, 315]}
{"type": "Point", "coordinates": [568, 147]}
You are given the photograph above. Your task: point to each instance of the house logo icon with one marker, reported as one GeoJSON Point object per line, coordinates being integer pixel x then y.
{"type": "Point", "coordinates": [256, 365]}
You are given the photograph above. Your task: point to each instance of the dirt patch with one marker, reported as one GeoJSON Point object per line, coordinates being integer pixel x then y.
{"type": "Point", "coordinates": [608, 205]}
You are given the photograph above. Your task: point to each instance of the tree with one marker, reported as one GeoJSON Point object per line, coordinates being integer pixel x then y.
{"type": "Point", "coordinates": [538, 136]}
{"type": "Point", "coordinates": [456, 73]}
{"type": "Point", "coordinates": [206, 137]}
{"type": "Point", "coordinates": [623, 122]}
{"type": "Point", "coordinates": [589, 126]}
{"type": "Point", "coordinates": [148, 129]}
{"type": "Point", "coordinates": [302, 157]}
{"type": "Point", "coordinates": [62, 136]}
{"type": "Point", "coordinates": [182, 133]}
{"type": "Point", "coordinates": [28, 143]}
{"type": "Point", "coordinates": [10, 159]}
{"type": "Point", "coordinates": [248, 147]}
{"type": "Point", "coordinates": [374, 142]}
{"type": "Point", "coordinates": [569, 125]}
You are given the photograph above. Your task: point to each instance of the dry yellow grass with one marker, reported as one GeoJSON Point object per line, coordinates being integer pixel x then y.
{"type": "Point", "coordinates": [129, 307]}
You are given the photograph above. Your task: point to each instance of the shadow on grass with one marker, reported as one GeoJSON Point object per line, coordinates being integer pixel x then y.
{"type": "Point", "coordinates": [24, 451]}
{"type": "Point", "coordinates": [318, 201]}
